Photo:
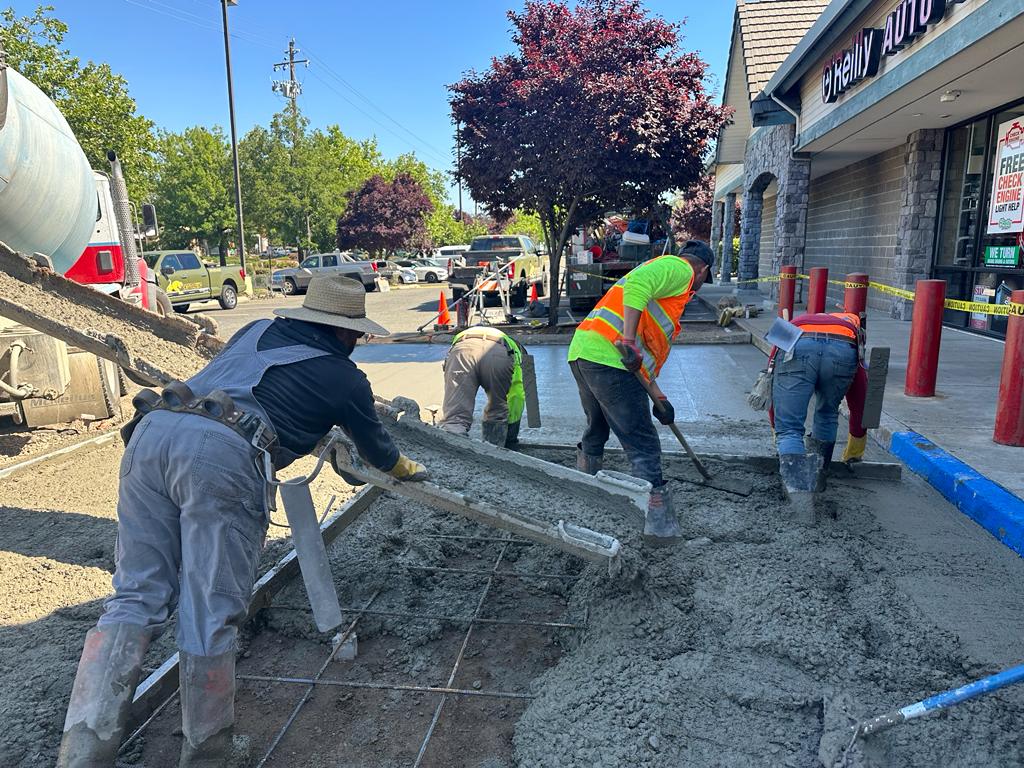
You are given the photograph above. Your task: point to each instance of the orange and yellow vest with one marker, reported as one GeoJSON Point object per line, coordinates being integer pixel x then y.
{"type": "Point", "coordinates": [658, 327]}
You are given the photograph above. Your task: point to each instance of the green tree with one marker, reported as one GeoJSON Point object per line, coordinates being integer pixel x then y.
{"type": "Point", "coordinates": [295, 181]}
{"type": "Point", "coordinates": [194, 187]}
{"type": "Point", "coordinates": [93, 98]}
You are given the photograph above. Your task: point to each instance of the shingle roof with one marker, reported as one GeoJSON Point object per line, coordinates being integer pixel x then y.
{"type": "Point", "coordinates": [769, 30]}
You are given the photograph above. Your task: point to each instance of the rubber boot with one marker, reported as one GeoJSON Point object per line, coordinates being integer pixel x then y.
{"type": "Point", "coordinates": [512, 438]}
{"type": "Point", "coordinates": [207, 709]}
{"type": "Point", "coordinates": [825, 450]}
{"type": "Point", "coordinates": [799, 472]}
{"type": "Point", "coordinates": [102, 695]}
{"type": "Point", "coordinates": [495, 432]}
{"type": "Point", "coordinates": [661, 526]}
{"type": "Point", "coordinates": [589, 464]}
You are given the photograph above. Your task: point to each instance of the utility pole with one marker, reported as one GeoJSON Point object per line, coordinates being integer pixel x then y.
{"type": "Point", "coordinates": [458, 163]}
{"type": "Point", "coordinates": [234, 139]}
{"type": "Point", "coordinates": [290, 88]}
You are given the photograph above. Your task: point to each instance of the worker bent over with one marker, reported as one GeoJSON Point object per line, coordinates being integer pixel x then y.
{"type": "Point", "coordinates": [824, 363]}
{"type": "Point", "coordinates": [630, 331]}
{"type": "Point", "coordinates": [484, 357]}
{"type": "Point", "coordinates": [193, 508]}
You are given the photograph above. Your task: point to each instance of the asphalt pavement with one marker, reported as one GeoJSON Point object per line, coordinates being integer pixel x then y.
{"type": "Point", "coordinates": [399, 310]}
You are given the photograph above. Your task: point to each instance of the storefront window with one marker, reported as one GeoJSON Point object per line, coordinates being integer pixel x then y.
{"type": "Point", "coordinates": [976, 266]}
{"type": "Point", "coordinates": [965, 171]}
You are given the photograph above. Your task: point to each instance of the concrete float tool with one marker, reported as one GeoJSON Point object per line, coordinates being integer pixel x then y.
{"type": "Point", "coordinates": [943, 700]}
{"type": "Point", "coordinates": [738, 487]}
{"type": "Point", "coordinates": [402, 417]}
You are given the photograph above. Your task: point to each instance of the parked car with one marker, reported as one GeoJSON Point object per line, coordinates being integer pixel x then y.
{"type": "Point", "coordinates": [453, 253]}
{"type": "Point", "coordinates": [427, 270]}
{"type": "Point", "coordinates": [399, 270]}
{"type": "Point", "coordinates": [296, 279]}
{"type": "Point", "coordinates": [185, 279]}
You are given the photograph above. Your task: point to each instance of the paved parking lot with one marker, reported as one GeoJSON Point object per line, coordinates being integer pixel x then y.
{"type": "Point", "coordinates": [399, 310]}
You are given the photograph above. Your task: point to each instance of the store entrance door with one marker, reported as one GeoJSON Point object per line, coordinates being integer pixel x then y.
{"type": "Point", "coordinates": [976, 265]}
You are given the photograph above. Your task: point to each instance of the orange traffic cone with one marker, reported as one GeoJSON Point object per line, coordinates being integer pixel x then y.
{"type": "Point", "coordinates": [443, 317]}
{"type": "Point", "coordinates": [533, 293]}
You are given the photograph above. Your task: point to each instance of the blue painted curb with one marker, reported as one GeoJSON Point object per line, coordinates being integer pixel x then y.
{"type": "Point", "coordinates": [987, 503]}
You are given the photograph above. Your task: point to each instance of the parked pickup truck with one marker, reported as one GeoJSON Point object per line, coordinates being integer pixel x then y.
{"type": "Point", "coordinates": [526, 266]}
{"type": "Point", "coordinates": [185, 279]}
{"type": "Point", "coordinates": [296, 279]}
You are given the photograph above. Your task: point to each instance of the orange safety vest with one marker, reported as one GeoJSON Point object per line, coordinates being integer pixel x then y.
{"type": "Point", "coordinates": [658, 327]}
{"type": "Point", "coordinates": [838, 329]}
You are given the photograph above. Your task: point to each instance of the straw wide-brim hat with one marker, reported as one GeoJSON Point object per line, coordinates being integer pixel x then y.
{"type": "Point", "coordinates": [338, 301]}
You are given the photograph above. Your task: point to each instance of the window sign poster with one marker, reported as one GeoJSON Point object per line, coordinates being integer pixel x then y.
{"type": "Point", "coordinates": [1001, 256]}
{"type": "Point", "coordinates": [983, 295]}
{"type": "Point", "coordinates": [1006, 213]}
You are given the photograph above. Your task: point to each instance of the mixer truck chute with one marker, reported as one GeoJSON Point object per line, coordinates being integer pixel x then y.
{"type": "Point", "coordinates": [78, 223]}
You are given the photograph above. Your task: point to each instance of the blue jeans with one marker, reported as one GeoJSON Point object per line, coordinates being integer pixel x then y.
{"type": "Point", "coordinates": [821, 367]}
{"type": "Point", "coordinates": [614, 401]}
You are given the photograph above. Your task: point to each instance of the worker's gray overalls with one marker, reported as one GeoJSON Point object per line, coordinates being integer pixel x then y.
{"type": "Point", "coordinates": [192, 508]}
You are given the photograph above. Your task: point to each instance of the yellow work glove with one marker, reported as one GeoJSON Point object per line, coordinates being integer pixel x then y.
{"type": "Point", "coordinates": [407, 469]}
{"type": "Point", "coordinates": [855, 448]}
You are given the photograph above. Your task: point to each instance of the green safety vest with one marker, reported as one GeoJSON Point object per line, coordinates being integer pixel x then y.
{"type": "Point", "coordinates": [516, 397]}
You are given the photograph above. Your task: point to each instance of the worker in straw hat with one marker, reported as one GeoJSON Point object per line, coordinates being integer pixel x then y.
{"type": "Point", "coordinates": [193, 508]}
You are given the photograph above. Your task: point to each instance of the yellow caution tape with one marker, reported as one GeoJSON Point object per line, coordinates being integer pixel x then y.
{"type": "Point", "coordinates": [957, 305]}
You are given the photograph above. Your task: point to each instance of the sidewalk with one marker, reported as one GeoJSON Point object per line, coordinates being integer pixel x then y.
{"type": "Point", "coordinates": [946, 438]}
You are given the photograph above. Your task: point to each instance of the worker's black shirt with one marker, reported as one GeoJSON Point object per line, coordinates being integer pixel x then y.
{"type": "Point", "coordinates": [304, 400]}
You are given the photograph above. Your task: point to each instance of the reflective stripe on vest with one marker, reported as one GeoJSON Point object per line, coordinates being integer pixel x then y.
{"type": "Point", "coordinates": [658, 326]}
{"type": "Point", "coordinates": [825, 327]}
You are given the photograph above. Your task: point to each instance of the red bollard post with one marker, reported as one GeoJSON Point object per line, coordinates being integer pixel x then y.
{"type": "Point", "coordinates": [855, 300]}
{"type": "Point", "coordinates": [787, 290]}
{"type": "Point", "coordinates": [925, 336]}
{"type": "Point", "coordinates": [817, 291]}
{"type": "Point", "coordinates": [1010, 405]}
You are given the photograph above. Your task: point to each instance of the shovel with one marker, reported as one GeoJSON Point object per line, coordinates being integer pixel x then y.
{"type": "Point", "coordinates": [943, 700]}
{"type": "Point", "coordinates": [737, 487]}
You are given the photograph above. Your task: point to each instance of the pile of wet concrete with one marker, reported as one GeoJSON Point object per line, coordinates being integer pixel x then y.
{"type": "Point", "coordinates": [750, 643]}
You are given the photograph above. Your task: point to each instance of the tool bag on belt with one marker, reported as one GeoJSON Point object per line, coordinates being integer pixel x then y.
{"type": "Point", "coordinates": [217, 406]}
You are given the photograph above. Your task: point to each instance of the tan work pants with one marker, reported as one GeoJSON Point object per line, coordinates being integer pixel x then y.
{"type": "Point", "coordinates": [471, 364]}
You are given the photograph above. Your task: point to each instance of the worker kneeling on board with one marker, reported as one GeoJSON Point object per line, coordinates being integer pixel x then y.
{"type": "Point", "coordinates": [826, 363]}
{"type": "Point", "coordinates": [193, 508]}
{"type": "Point", "coordinates": [630, 331]}
{"type": "Point", "coordinates": [484, 357]}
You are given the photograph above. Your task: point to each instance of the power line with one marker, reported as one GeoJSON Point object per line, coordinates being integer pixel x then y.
{"type": "Point", "coordinates": [326, 67]}
{"type": "Point", "coordinates": [438, 158]}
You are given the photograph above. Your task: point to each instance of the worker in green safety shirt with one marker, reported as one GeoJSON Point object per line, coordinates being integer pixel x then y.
{"type": "Point", "coordinates": [484, 357]}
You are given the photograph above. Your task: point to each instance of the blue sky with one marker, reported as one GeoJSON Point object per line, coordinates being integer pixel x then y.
{"type": "Point", "coordinates": [377, 68]}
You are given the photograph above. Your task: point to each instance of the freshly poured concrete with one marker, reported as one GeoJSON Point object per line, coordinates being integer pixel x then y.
{"type": "Point", "coordinates": [706, 384]}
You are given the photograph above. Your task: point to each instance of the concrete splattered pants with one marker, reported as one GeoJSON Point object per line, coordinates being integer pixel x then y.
{"type": "Point", "coordinates": [473, 363]}
{"type": "Point", "coordinates": [191, 519]}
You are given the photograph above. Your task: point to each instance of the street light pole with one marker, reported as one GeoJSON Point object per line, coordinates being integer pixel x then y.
{"type": "Point", "coordinates": [234, 136]}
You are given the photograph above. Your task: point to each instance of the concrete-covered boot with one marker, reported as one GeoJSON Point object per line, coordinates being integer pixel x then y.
{"type": "Point", "coordinates": [589, 464]}
{"type": "Point", "coordinates": [825, 450]}
{"type": "Point", "coordinates": [207, 709]}
{"type": "Point", "coordinates": [512, 438]}
{"type": "Point", "coordinates": [495, 432]}
{"type": "Point", "coordinates": [799, 472]}
{"type": "Point", "coordinates": [102, 694]}
{"type": "Point", "coordinates": [661, 526]}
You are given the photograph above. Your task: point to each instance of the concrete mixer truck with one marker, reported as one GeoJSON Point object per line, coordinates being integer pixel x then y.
{"type": "Point", "coordinates": [78, 223]}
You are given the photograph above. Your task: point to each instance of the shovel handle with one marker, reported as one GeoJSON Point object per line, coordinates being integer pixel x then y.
{"type": "Point", "coordinates": [649, 387]}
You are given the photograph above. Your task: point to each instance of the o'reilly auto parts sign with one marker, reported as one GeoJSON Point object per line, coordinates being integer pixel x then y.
{"type": "Point", "coordinates": [907, 21]}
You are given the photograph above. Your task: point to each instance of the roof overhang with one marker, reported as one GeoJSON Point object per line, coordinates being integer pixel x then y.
{"type": "Point", "coordinates": [829, 29]}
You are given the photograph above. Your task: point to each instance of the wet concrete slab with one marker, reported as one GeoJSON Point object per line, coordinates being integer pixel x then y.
{"type": "Point", "coordinates": [706, 384]}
